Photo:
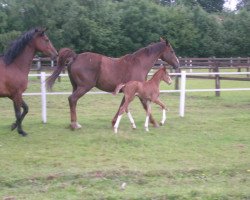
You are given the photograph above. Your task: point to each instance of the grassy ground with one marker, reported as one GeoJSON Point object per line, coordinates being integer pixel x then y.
{"type": "Point", "coordinates": [204, 155]}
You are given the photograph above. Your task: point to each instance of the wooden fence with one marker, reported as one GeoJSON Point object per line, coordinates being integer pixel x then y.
{"type": "Point", "coordinates": [211, 64]}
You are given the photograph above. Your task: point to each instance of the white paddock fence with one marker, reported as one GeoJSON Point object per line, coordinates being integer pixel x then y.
{"type": "Point", "coordinates": [182, 89]}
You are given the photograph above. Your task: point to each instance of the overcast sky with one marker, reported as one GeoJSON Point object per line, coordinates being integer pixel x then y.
{"type": "Point", "coordinates": [231, 4]}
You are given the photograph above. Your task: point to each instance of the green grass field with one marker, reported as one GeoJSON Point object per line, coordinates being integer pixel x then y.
{"type": "Point", "coordinates": [205, 155]}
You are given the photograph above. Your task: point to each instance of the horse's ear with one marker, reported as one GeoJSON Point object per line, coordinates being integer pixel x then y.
{"type": "Point", "coordinates": [167, 42]}
{"type": "Point", "coordinates": [164, 40]}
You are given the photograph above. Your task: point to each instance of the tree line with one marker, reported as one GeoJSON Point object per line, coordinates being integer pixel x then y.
{"type": "Point", "coordinates": [116, 27]}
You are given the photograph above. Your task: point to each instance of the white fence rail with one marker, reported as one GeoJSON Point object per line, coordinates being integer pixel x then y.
{"type": "Point", "coordinates": [182, 90]}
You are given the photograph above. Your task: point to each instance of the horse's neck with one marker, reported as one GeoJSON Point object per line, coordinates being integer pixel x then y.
{"type": "Point", "coordinates": [149, 60]}
{"type": "Point", "coordinates": [24, 60]}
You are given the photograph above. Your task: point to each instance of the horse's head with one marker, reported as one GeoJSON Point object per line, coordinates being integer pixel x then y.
{"type": "Point", "coordinates": [165, 76]}
{"type": "Point", "coordinates": [43, 44]}
{"type": "Point", "coordinates": [169, 56]}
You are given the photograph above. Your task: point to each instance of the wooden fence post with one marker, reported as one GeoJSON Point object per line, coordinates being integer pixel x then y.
{"type": "Point", "coordinates": [239, 68]}
{"type": "Point", "coordinates": [248, 67]}
{"type": "Point", "coordinates": [217, 81]}
{"type": "Point", "coordinates": [38, 66]}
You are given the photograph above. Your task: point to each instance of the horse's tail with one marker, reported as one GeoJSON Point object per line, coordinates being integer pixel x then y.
{"type": "Point", "coordinates": [118, 88]}
{"type": "Point", "coordinates": [66, 57]}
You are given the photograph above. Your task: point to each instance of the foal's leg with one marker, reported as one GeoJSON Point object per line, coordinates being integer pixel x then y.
{"type": "Point", "coordinates": [77, 93]}
{"type": "Point", "coordinates": [163, 107]}
{"type": "Point", "coordinates": [25, 111]}
{"type": "Point", "coordinates": [148, 115]}
{"type": "Point", "coordinates": [122, 109]}
{"type": "Point", "coordinates": [131, 119]}
{"type": "Point", "coordinates": [120, 113]}
{"type": "Point", "coordinates": [152, 120]}
{"type": "Point", "coordinates": [18, 102]}
{"type": "Point", "coordinates": [117, 113]}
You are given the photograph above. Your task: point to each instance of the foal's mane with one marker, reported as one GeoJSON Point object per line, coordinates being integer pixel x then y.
{"type": "Point", "coordinates": [158, 73]}
{"type": "Point", "coordinates": [17, 46]}
{"type": "Point", "coordinates": [148, 50]}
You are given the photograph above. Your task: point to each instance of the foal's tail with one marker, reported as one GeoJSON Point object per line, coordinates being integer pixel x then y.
{"type": "Point", "coordinates": [66, 57]}
{"type": "Point", "coordinates": [118, 88]}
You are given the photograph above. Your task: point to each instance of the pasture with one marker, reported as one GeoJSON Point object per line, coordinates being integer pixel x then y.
{"type": "Point", "coordinates": [205, 155]}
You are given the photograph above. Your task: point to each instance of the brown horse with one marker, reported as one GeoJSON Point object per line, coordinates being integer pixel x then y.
{"type": "Point", "coordinates": [88, 70]}
{"type": "Point", "coordinates": [14, 68]}
{"type": "Point", "coordinates": [148, 91]}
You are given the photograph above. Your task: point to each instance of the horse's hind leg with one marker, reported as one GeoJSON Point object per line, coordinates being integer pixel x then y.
{"type": "Point", "coordinates": [131, 119]}
{"type": "Point", "coordinates": [77, 93]}
{"type": "Point", "coordinates": [25, 111]}
{"type": "Point", "coordinates": [19, 116]}
{"type": "Point", "coordinates": [122, 109]}
{"type": "Point", "coordinates": [116, 115]}
{"type": "Point", "coordinates": [151, 119]}
{"type": "Point", "coordinates": [148, 115]}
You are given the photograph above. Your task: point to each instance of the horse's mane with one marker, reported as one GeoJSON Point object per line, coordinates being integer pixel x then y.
{"type": "Point", "coordinates": [17, 46]}
{"type": "Point", "coordinates": [152, 48]}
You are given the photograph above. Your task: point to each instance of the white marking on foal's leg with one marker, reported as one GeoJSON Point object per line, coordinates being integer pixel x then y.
{"type": "Point", "coordinates": [146, 123]}
{"type": "Point", "coordinates": [117, 123]}
{"type": "Point", "coordinates": [163, 116]}
{"type": "Point", "coordinates": [131, 120]}
{"type": "Point", "coordinates": [75, 125]}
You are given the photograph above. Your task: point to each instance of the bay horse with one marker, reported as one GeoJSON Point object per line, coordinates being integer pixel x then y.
{"type": "Point", "coordinates": [88, 70]}
{"type": "Point", "coordinates": [148, 91]}
{"type": "Point", "coordinates": [15, 65]}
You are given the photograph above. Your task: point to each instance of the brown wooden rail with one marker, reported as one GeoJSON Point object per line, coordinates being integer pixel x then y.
{"type": "Point", "coordinates": [212, 64]}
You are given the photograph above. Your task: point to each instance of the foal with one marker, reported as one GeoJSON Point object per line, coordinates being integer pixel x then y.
{"type": "Point", "coordinates": [147, 91]}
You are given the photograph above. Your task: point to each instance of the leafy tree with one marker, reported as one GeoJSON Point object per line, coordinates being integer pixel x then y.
{"type": "Point", "coordinates": [209, 33]}
{"type": "Point", "coordinates": [117, 27]}
{"type": "Point", "coordinates": [243, 4]}
{"type": "Point", "coordinates": [237, 29]}
{"type": "Point", "coordinates": [207, 5]}
{"type": "Point", "coordinates": [212, 5]}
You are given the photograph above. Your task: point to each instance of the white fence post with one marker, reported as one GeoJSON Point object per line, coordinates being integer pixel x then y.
{"type": "Point", "coordinates": [43, 94]}
{"type": "Point", "coordinates": [182, 93]}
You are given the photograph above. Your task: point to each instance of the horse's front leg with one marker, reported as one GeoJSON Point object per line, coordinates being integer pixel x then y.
{"type": "Point", "coordinates": [79, 92]}
{"type": "Point", "coordinates": [18, 102]}
{"type": "Point", "coordinates": [151, 119]}
{"type": "Point", "coordinates": [116, 115]}
{"type": "Point", "coordinates": [164, 109]}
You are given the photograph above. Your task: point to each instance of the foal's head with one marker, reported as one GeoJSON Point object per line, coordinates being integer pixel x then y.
{"type": "Point", "coordinates": [165, 76]}
{"type": "Point", "coordinates": [169, 55]}
{"type": "Point", "coordinates": [42, 43]}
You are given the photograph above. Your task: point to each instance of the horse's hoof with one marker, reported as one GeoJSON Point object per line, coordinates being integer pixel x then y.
{"type": "Point", "coordinates": [156, 125]}
{"type": "Point", "coordinates": [115, 130]}
{"type": "Point", "coordinates": [133, 126]}
{"type": "Point", "coordinates": [13, 126]}
{"type": "Point", "coordinates": [22, 133]}
{"type": "Point", "coordinates": [75, 125]}
{"type": "Point", "coordinates": [146, 129]}
{"type": "Point", "coordinates": [161, 124]}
